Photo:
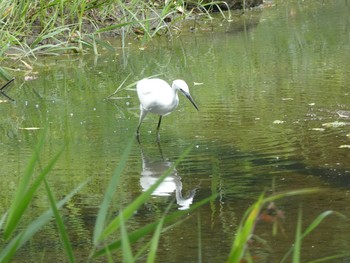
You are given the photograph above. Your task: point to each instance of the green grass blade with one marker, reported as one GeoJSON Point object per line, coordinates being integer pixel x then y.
{"type": "Point", "coordinates": [128, 87]}
{"type": "Point", "coordinates": [200, 252]}
{"type": "Point", "coordinates": [316, 222]}
{"type": "Point", "coordinates": [126, 247]}
{"type": "Point", "coordinates": [244, 231]}
{"type": "Point", "coordinates": [297, 242]}
{"type": "Point", "coordinates": [120, 86]}
{"type": "Point", "coordinates": [102, 213]}
{"type": "Point", "coordinates": [112, 27]}
{"type": "Point", "coordinates": [141, 232]}
{"type": "Point", "coordinates": [103, 43]}
{"type": "Point", "coordinates": [18, 241]}
{"type": "Point", "coordinates": [4, 74]}
{"type": "Point", "coordinates": [156, 236]}
{"type": "Point", "coordinates": [19, 209]}
{"type": "Point", "coordinates": [3, 220]}
{"type": "Point", "coordinates": [10, 250]}
{"type": "Point", "coordinates": [291, 193]}
{"type": "Point", "coordinates": [310, 228]}
{"type": "Point", "coordinates": [331, 258]}
{"type": "Point", "coordinates": [62, 230]}
{"type": "Point", "coordinates": [130, 209]}
{"type": "Point", "coordinates": [154, 242]}
{"type": "Point", "coordinates": [21, 200]}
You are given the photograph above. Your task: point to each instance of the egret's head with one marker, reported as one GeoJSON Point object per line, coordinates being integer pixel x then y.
{"type": "Point", "coordinates": [181, 85]}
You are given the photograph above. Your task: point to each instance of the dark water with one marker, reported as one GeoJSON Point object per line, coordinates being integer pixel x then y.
{"type": "Point", "coordinates": [274, 102]}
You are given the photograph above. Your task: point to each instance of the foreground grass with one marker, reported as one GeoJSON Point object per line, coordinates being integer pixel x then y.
{"type": "Point", "coordinates": [104, 243]}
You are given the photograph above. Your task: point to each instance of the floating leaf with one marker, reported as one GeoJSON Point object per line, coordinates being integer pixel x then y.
{"type": "Point", "coordinates": [30, 77]}
{"type": "Point", "coordinates": [318, 129]}
{"type": "Point", "coordinates": [344, 146]}
{"type": "Point", "coordinates": [30, 128]}
{"type": "Point", "coordinates": [335, 124]}
{"type": "Point", "coordinates": [278, 122]}
{"type": "Point", "coordinates": [343, 113]}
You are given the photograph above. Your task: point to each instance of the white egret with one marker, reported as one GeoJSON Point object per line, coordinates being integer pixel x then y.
{"type": "Point", "coordinates": [156, 96]}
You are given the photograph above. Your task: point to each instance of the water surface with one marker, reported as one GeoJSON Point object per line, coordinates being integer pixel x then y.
{"type": "Point", "coordinates": [274, 116]}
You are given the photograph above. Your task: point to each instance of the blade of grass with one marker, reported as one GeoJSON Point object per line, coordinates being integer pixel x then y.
{"type": "Point", "coordinates": [102, 213]}
{"type": "Point", "coordinates": [59, 221]}
{"type": "Point", "coordinates": [4, 74]}
{"type": "Point", "coordinates": [140, 233]}
{"type": "Point", "coordinates": [18, 211]}
{"type": "Point", "coordinates": [126, 247]}
{"type": "Point", "coordinates": [147, 246]}
{"type": "Point", "coordinates": [277, 196]}
{"type": "Point", "coordinates": [18, 206]}
{"type": "Point", "coordinates": [2, 220]}
{"type": "Point", "coordinates": [332, 258]}
{"type": "Point", "coordinates": [130, 209]}
{"type": "Point", "coordinates": [310, 228]}
{"type": "Point", "coordinates": [297, 242]}
{"type": "Point", "coordinates": [130, 85]}
{"type": "Point", "coordinates": [245, 230]}
{"type": "Point", "coordinates": [154, 242]}
{"type": "Point", "coordinates": [247, 224]}
{"type": "Point", "coordinates": [156, 236]}
{"type": "Point", "coordinates": [102, 43]}
{"type": "Point", "coordinates": [199, 238]}
{"type": "Point", "coordinates": [9, 250]}
{"type": "Point", "coordinates": [6, 84]}
{"type": "Point", "coordinates": [120, 86]}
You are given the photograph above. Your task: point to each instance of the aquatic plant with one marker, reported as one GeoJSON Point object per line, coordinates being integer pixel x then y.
{"type": "Point", "coordinates": [245, 232]}
{"type": "Point", "coordinates": [32, 28]}
{"type": "Point", "coordinates": [13, 236]}
{"type": "Point", "coordinates": [17, 230]}
{"type": "Point", "coordinates": [38, 27]}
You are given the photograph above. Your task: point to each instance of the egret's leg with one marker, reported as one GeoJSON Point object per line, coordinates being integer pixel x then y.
{"type": "Point", "coordinates": [159, 122]}
{"type": "Point", "coordinates": [143, 114]}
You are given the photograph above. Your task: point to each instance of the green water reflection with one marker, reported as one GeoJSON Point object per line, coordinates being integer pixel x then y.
{"type": "Point", "coordinates": [266, 92]}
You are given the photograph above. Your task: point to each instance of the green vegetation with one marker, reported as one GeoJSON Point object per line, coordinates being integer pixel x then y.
{"type": "Point", "coordinates": [30, 28]}
{"type": "Point", "coordinates": [16, 232]}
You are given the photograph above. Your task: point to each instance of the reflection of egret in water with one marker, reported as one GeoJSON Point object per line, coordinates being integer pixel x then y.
{"type": "Point", "coordinates": [153, 169]}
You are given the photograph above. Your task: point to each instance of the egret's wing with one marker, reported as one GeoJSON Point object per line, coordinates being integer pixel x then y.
{"type": "Point", "coordinates": [153, 93]}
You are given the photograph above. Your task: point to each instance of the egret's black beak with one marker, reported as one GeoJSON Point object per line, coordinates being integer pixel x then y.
{"type": "Point", "coordinates": [188, 95]}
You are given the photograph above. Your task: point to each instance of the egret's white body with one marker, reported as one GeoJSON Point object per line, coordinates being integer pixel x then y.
{"type": "Point", "coordinates": [156, 96]}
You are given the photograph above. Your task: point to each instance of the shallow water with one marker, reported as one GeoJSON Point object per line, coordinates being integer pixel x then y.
{"type": "Point", "coordinates": [274, 116]}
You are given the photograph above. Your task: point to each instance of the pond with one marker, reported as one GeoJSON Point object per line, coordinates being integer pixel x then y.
{"type": "Point", "coordinates": [274, 115]}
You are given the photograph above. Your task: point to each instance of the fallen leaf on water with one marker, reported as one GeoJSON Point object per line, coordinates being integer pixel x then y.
{"type": "Point", "coordinates": [343, 113]}
{"type": "Point", "coordinates": [318, 129]}
{"type": "Point", "coordinates": [30, 77]}
{"type": "Point", "coordinates": [278, 122]}
{"type": "Point", "coordinates": [335, 124]}
{"type": "Point", "coordinates": [198, 83]}
{"type": "Point", "coordinates": [344, 146]}
{"type": "Point", "coordinates": [30, 128]}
